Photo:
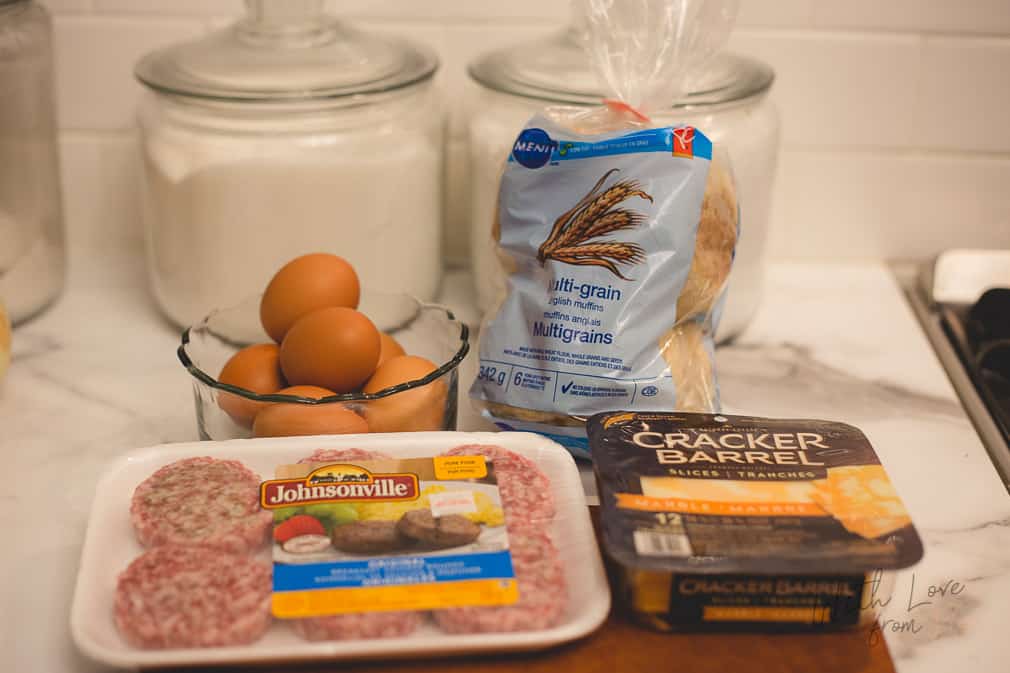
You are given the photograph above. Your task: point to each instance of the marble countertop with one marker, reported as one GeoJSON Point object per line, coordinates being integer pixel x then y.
{"type": "Point", "coordinates": [97, 375]}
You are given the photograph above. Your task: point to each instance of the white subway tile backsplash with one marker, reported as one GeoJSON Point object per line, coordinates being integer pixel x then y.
{"type": "Point", "coordinates": [457, 45]}
{"type": "Point", "coordinates": [894, 132]}
{"type": "Point", "coordinates": [841, 90]}
{"type": "Point", "coordinates": [963, 200]}
{"type": "Point", "coordinates": [849, 205]}
{"type": "Point", "coordinates": [941, 16]}
{"type": "Point", "coordinates": [432, 35]}
{"type": "Point", "coordinates": [777, 13]}
{"type": "Point", "coordinates": [965, 101]}
{"type": "Point", "coordinates": [835, 203]}
{"type": "Point", "coordinates": [464, 44]}
{"type": "Point", "coordinates": [100, 188]}
{"type": "Point", "coordinates": [94, 66]}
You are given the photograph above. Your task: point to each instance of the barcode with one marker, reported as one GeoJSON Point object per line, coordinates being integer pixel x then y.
{"type": "Point", "coordinates": [652, 543]}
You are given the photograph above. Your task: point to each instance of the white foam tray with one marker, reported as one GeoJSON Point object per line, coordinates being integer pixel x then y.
{"type": "Point", "coordinates": [110, 545]}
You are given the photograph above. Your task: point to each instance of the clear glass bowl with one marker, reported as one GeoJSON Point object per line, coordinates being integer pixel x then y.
{"type": "Point", "coordinates": [426, 330]}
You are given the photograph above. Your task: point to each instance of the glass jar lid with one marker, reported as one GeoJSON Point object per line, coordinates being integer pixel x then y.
{"type": "Point", "coordinates": [286, 50]}
{"type": "Point", "coordinates": [556, 69]}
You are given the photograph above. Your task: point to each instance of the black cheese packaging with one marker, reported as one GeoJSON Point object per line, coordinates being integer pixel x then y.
{"type": "Point", "coordinates": [719, 522]}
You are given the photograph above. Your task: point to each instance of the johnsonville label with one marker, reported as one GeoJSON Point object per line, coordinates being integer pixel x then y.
{"type": "Point", "coordinates": [714, 493]}
{"type": "Point", "coordinates": [339, 483]}
{"type": "Point", "coordinates": [388, 534]}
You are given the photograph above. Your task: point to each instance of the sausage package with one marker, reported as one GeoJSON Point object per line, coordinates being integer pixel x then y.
{"type": "Point", "coordinates": [340, 547]}
{"type": "Point", "coordinates": [356, 535]}
{"type": "Point", "coordinates": [735, 522]}
{"type": "Point", "coordinates": [616, 236]}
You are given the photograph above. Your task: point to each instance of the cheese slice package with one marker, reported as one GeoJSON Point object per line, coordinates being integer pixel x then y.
{"type": "Point", "coordinates": [726, 522]}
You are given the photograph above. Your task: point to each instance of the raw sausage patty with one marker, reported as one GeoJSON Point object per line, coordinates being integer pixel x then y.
{"type": "Point", "coordinates": [201, 501]}
{"type": "Point", "coordinates": [335, 455]}
{"type": "Point", "coordinates": [442, 532]}
{"type": "Point", "coordinates": [184, 596]}
{"type": "Point", "coordinates": [368, 537]}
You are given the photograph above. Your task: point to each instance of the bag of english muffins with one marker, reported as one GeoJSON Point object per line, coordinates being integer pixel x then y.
{"type": "Point", "coordinates": [616, 234]}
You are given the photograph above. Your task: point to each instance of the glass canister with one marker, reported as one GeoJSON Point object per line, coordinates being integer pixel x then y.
{"type": "Point", "coordinates": [286, 133]}
{"type": "Point", "coordinates": [32, 260]}
{"type": "Point", "coordinates": [728, 101]}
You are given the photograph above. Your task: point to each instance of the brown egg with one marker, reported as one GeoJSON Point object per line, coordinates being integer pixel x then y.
{"type": "Point", "coordinates": [303, 285]}
{"type": "Point", "coordinates": [254, 368]}
{"type": "Point", "coordinates": [314, 392]}
{"type": "Point", "coordinates": [388, 348]}
{"type": "Point", "coordinates": [286, 419]}
{"type": "Point", "coordinates": [335, 348]}
{"type": "Point", "coordinates": [412, 410]}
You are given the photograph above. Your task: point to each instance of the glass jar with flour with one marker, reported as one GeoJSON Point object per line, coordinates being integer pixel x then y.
{"type": "Point", "coordinates": [32, 259]}
{"type": "Point", "coordinates": [286, 133]}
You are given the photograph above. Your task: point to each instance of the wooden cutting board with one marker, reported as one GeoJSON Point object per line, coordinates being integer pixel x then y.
{"type": "Point", "coordinates": [620, 647]}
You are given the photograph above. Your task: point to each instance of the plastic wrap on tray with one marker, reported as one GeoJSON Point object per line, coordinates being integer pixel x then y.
{"type": "Point", "coordinates": [341, 547]}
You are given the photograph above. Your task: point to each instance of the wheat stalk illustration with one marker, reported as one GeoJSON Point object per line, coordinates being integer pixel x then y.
{"type": "Point", "coordinates": [576, 235]}
{"type": "Point", "coordinates": [618, 219]}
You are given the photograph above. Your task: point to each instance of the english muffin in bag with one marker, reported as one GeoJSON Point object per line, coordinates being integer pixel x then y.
{"type": "Point", "coordinates": [618, 246]}
{"type": "Point", "coordinates": [617, 238]}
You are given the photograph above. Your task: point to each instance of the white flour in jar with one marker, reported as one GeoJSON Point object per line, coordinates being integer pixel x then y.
{"type": "Point", "coordinates": [31, 220]}
{"type": "Point", "coordinates": [31, 225]}
{"type": "Point", "coordinates": [224, 212]}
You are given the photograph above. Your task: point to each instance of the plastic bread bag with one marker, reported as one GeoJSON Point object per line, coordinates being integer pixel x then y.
{"type": "Point", "coordinates": [616, 235]}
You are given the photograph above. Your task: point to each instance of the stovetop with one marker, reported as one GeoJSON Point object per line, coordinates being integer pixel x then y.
{"type": "Point", "coordinates": [968, 323]}
{"type": "Point", "coordinates": [980, 334]}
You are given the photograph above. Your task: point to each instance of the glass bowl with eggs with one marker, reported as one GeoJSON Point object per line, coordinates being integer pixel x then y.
{"type": "Point", "coordinates": [316, 355]}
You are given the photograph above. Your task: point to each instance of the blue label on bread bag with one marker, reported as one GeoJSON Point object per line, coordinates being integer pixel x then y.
{"type": "Point", "coordinates": [533, 148]}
